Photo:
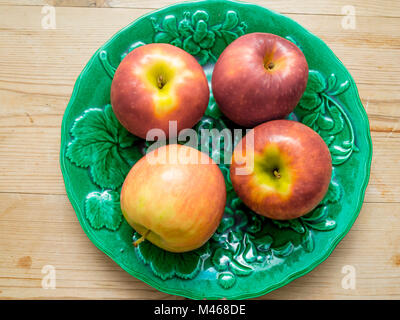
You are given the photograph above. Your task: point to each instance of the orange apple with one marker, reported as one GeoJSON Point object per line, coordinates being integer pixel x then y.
{"type": "Point", "coordinates": [158, 83]}
{"type": "Point", "coordinates": [177, 205]}
{"type": "Point", "coordinates": [259, 77]}
{"type": "Point", "coordinates": [284, 172]}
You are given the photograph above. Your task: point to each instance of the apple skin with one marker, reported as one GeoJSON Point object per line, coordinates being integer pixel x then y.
{"type": "Point", "coordinates": [181, 204]}
{"type": "Point", "coordinates": [303, 163]}
{"type": "Point", "coordinates": [247, 91]}
{"type": "Point", "coordinates": [140, 104]}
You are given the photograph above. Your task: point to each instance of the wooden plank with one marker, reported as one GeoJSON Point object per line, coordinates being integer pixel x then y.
{"type": "Point", "coordinates": [43, 230]}
{"type": "Point", "coordinates": [85, 35]}
{"type": "Point", "coordinates": [385, 8]}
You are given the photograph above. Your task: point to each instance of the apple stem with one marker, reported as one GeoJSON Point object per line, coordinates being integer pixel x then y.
{"type": "Point", "coordinates": [160, 81]}
{"type": "Point", "coordinates": [141, 239]}
{"type": "Point", "coordinates": [277, 174]}
{"type": "Point", "coordinates": [270, 65]}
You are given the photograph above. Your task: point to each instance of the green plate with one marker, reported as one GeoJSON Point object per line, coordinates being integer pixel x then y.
{"type": "Point", "coordinates": [249, 255]}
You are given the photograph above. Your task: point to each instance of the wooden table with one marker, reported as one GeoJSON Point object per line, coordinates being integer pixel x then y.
{"type": "Point", "coordinates": [38, 227]}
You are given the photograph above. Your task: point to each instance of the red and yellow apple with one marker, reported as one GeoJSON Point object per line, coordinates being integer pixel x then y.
{"type": "Point", "coordinates": [174, 198]}
{"type": "Point", "coordinates": [259, 77]}
{"type": "Point", "coordinates": [283, 171]}
{"type": "Point", "coordinates": [158, 83]}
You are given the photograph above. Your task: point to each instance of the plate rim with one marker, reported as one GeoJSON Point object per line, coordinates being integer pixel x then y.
{"type": "Point", "coordinates": [182, 292]}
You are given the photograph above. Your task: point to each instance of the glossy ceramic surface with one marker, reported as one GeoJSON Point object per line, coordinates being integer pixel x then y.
{"type": "Point", "coordinates": [248, 255]}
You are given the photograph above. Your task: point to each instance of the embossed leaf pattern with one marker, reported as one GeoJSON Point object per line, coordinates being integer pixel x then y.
{"type": "Point", "coordinates": [319, 219]}
{"type": "Point", "coordinates": [334, 192]}
{"type": "Point", "coordinates": [236, 246]}
{"type": "Point", "coordinates": [216, 128]}
{"type": "Point", "coordinates": [316, 81]}
{"type": "Point", "coordinates": [284, 250]}
{"type": "Point", "coordinates": [308, 242]}
{"type": "Point", "coordinates": [199, 15]}
{"type": "Point", "coordinates": [166, 264]}
{"type": "Point", "coordinates": [291, 39]}
{"type": "Point", "coordinates": [242, 240]}
{"type": "Point", "coordinates": [194, 34]}
{"type": "Point", "coordinates": [323, 112]}
{"type": "Point", "coordinates": [226, 279]}
{"type": "Point", "coordinates": [231, 20]}
{"type": "Point", "coordinates": [102, 209]}
{"type": "Point", "coordinates": [224, 260]}
{"type": "Point", "coordinates": [108, 67]}
{"type": "Point", "coordinates": [263, 243]}
{"type": "Point", "coordinates": [294, 224]}
{"type": "Point", "coordinates": [315, 85]}
{"type": "Point", "coordinates": [213, 109]}
{"type": "Point", "coordinates": [101, 144]}
{"type": "Point", "coordinates": [221, 259]}
{"type": "Point", "coordinates": [191, 46]}
{"type": "Point", "coordinates": [132, 47]}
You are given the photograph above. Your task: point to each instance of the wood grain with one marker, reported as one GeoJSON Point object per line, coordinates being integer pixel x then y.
{"type": "Point", "coordinates": [385, 8]}
{"type": "Point", "coordinates": [38, 69]}
{"type": "Point", "coordinates": [43, 230]}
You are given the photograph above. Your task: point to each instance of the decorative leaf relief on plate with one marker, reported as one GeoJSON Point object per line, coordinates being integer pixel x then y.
{"type": "Point", "coordinates": [103, 56]}
{"type": "Point", "coordinates": [244, 240]}
{"type": "Point", "coordinates": [103, 209]}
{"type": "Point", "coordinates": [291, 39]}
{"type": "Point", "coordinates": [318, 219]}
{"type": "Point", "coordinates": [131, 47]}
{"type": "Point", "coordinates": [104, 146]}
{"type": "Point", "coordinates": [234, 246]}
{"type": "Point", "coordinates": [321, 110]}
{"type": "Point", "coordinates": [213, 109]}
{"type": "Point", "coordinates": [194, 34]}
{"type": "Point", "coordinates": [167, 265]}
{"type": "Point", "coordinates": [105, 62]}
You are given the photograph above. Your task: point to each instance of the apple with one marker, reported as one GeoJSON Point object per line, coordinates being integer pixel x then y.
{"type": "Point", "coordinates": [281, 169]}
{"type": "Point", "coordinates": [177, 205]}
{"type": "Point", "coordinates": [157, 83]}
{"type": "Point", "coordinates": [259, 77]}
